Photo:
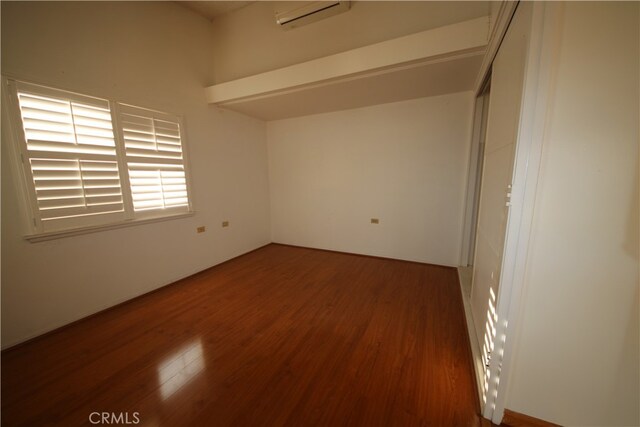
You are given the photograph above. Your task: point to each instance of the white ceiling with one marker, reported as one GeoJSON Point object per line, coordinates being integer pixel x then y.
{"type": "Point", "coordinates": [214, 9]}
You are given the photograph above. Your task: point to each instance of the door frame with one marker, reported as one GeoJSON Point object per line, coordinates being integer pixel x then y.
{"type": "Point", "coordinates": [498, 31]}
{"type": "Point", "coordinates": [538, 87]}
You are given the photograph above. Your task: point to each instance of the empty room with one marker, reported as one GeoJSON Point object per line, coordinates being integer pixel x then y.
{"type": "Point", "coordinates": [320, 213]}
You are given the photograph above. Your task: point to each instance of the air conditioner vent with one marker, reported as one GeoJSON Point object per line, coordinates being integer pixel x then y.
{"type": "Point", "coordinates": [292, 14]}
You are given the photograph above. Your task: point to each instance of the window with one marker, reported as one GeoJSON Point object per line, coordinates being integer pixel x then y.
{"type": "Point", "coordinates": [153, 147]}
{"type": "Point", "coordinates": [79, 173]}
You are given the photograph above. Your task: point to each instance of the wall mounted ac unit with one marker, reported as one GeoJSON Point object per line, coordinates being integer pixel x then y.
{"type": "Point", "coordinates": [292, 14]}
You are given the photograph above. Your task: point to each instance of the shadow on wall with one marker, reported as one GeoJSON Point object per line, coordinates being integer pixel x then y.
{"type": "Point", "coordinates": [631, 242]}
{"type": "Point", "coordinates": [630, 359]}
{"type": "Point", "coordinates": [624, 384]}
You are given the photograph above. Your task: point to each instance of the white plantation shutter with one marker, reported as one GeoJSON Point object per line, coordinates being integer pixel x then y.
{"type": "Point", "coordinates": [69, 152]}
{"type": "Point", "coordinates": [87, 167]}
{"type": "Point", "coordinates": [155, 160]}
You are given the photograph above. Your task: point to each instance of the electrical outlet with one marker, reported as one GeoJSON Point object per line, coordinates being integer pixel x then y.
{"type": "Point", "coordinates": [375, 221]}
{"type": "Point", "coordinates": [225, 223]}
{"type": "Point", "coordinates": [200, 229]}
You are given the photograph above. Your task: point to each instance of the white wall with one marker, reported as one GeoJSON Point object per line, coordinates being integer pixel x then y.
{"type": "Point", "coordinates": [148, 54]}
{"type": "Point", "coordinates": [249, 41]}
{"type": "Point", "coordinates": [404, 163]}
{"type": "Point", "coordinates": [576, 358]}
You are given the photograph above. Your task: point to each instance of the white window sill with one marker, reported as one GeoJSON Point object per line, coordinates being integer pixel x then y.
{"type": "Point", "coordinates": [40, 237]}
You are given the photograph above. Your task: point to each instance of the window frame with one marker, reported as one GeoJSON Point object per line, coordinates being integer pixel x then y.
{"type": "Point", "coordinates": [21, 169]}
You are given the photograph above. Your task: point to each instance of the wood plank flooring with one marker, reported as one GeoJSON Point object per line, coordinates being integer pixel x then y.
{"type": "Point", "coordinates": [279, 336]}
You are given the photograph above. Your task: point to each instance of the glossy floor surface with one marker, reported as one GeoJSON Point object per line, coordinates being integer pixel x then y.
{"type": "Point", "coordinates": [280, 336]}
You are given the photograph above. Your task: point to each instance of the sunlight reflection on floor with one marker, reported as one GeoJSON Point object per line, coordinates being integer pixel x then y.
{"type": "Point", "coordinates": [180, 368]}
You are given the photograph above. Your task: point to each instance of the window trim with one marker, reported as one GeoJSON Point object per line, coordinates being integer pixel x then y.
{"type": "Point", "coordinates": [52, 235]}
{"type": "Point", "coordinates": [12, 121]}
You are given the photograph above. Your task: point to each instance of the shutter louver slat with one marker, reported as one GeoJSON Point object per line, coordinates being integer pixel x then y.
{"type": "Point", "coordinates": [141, 145]}
{"type": "Point", "coordinates": [153, 154]}
{"type": "Point", "coordinates": [170, 148]}
{"type": "Point", "coordinates": [96, 141]}
{"type": "Point", "coordinates": [49, 135]}
{"type": "Point", "coordinates": [94, 131]}
{"type": "Point", "coordinates": [100, 183]}
{"type": "Point", "coordinates": [155, 163]}
{"type": "Point", "coordinates": [29, 102]}
{"type": "Point", "coordinates": [70, 148]}
{"type": "Point", "coordinates": [61, 203]}
{"type": "Point", "coordinates": [139, 137]}
{"type": "Point", "coordinates": [167, 141]}
{"type": "Point", "coordinates": [91, 122]}
{"type": "Point", "coordinates": [56, 175]}
{"type": "Point", "coordinates": [54, 126]}
{"type": "Point", "coordinates": [104, 200]}
{"type": "Point", "coordinates": [45, 194]}
{"type": "Point", "coordinates": [58, 184]}
{"type": "Point", "coordinates": [52, 214]}
{"type": "Point", "coordinates": [136, 126]}
{"type": "Point", "coordinates": [104, 191]}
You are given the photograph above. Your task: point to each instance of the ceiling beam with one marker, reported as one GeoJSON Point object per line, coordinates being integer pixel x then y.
{"type": "Point", "coordinates": [449, 41]}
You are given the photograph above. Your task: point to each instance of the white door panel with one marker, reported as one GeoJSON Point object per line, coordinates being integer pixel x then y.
{"type": "Point", "coordinates": [507, 78]}
{"type": "Point", "coordinates": [507, 82]}
{"type": "Point", "coordinates": [493, 218]}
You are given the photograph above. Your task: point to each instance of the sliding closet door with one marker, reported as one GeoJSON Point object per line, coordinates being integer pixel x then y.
{"type": "Point", "coordinates": [507, 81]}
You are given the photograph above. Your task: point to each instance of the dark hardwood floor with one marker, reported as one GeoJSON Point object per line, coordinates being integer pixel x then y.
{"type": "Point", "coordinates": [280, 336]}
